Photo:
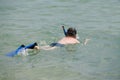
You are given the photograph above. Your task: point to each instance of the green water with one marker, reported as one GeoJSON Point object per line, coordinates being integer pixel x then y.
{"type": "Point", "coordinates": [28, 21]}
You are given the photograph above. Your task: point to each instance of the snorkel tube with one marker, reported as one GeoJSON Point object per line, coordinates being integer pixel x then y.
{"type": "Point", "coordinates": [65, 33]}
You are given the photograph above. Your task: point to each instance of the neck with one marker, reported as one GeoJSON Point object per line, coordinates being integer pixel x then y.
{"type": "Point", "coordinates": [71, 37]}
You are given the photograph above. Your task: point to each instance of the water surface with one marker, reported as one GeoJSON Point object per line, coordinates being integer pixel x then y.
{"type": "Point", "coordinates": [28, 21]}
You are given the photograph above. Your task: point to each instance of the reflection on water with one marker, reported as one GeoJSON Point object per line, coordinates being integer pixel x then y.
{"type": "Point", "coordinates": [28, 21]}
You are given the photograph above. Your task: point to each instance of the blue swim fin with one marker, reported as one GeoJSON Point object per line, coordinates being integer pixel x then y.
{"type": "Point", "coordinates": [13, 53]}
{"type": "Point", "coordinates": [31, 46]}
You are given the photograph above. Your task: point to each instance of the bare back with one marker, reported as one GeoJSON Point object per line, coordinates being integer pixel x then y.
{"type": "Point", "coordinates": [68, 40]}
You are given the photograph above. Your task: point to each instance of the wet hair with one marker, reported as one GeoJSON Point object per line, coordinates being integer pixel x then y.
{"type": "Point", "coordinates": [71, 32]}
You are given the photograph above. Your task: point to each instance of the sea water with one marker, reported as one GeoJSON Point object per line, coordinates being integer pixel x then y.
{"type": "Point", "coordinates": [29, 21]}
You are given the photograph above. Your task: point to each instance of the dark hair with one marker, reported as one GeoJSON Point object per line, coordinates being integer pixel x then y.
{"type": "Point", "coordinates": [71, 32]}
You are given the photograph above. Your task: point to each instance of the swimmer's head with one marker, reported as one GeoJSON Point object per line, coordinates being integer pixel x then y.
{"type": "Point", "coordinates": [71, 32]}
